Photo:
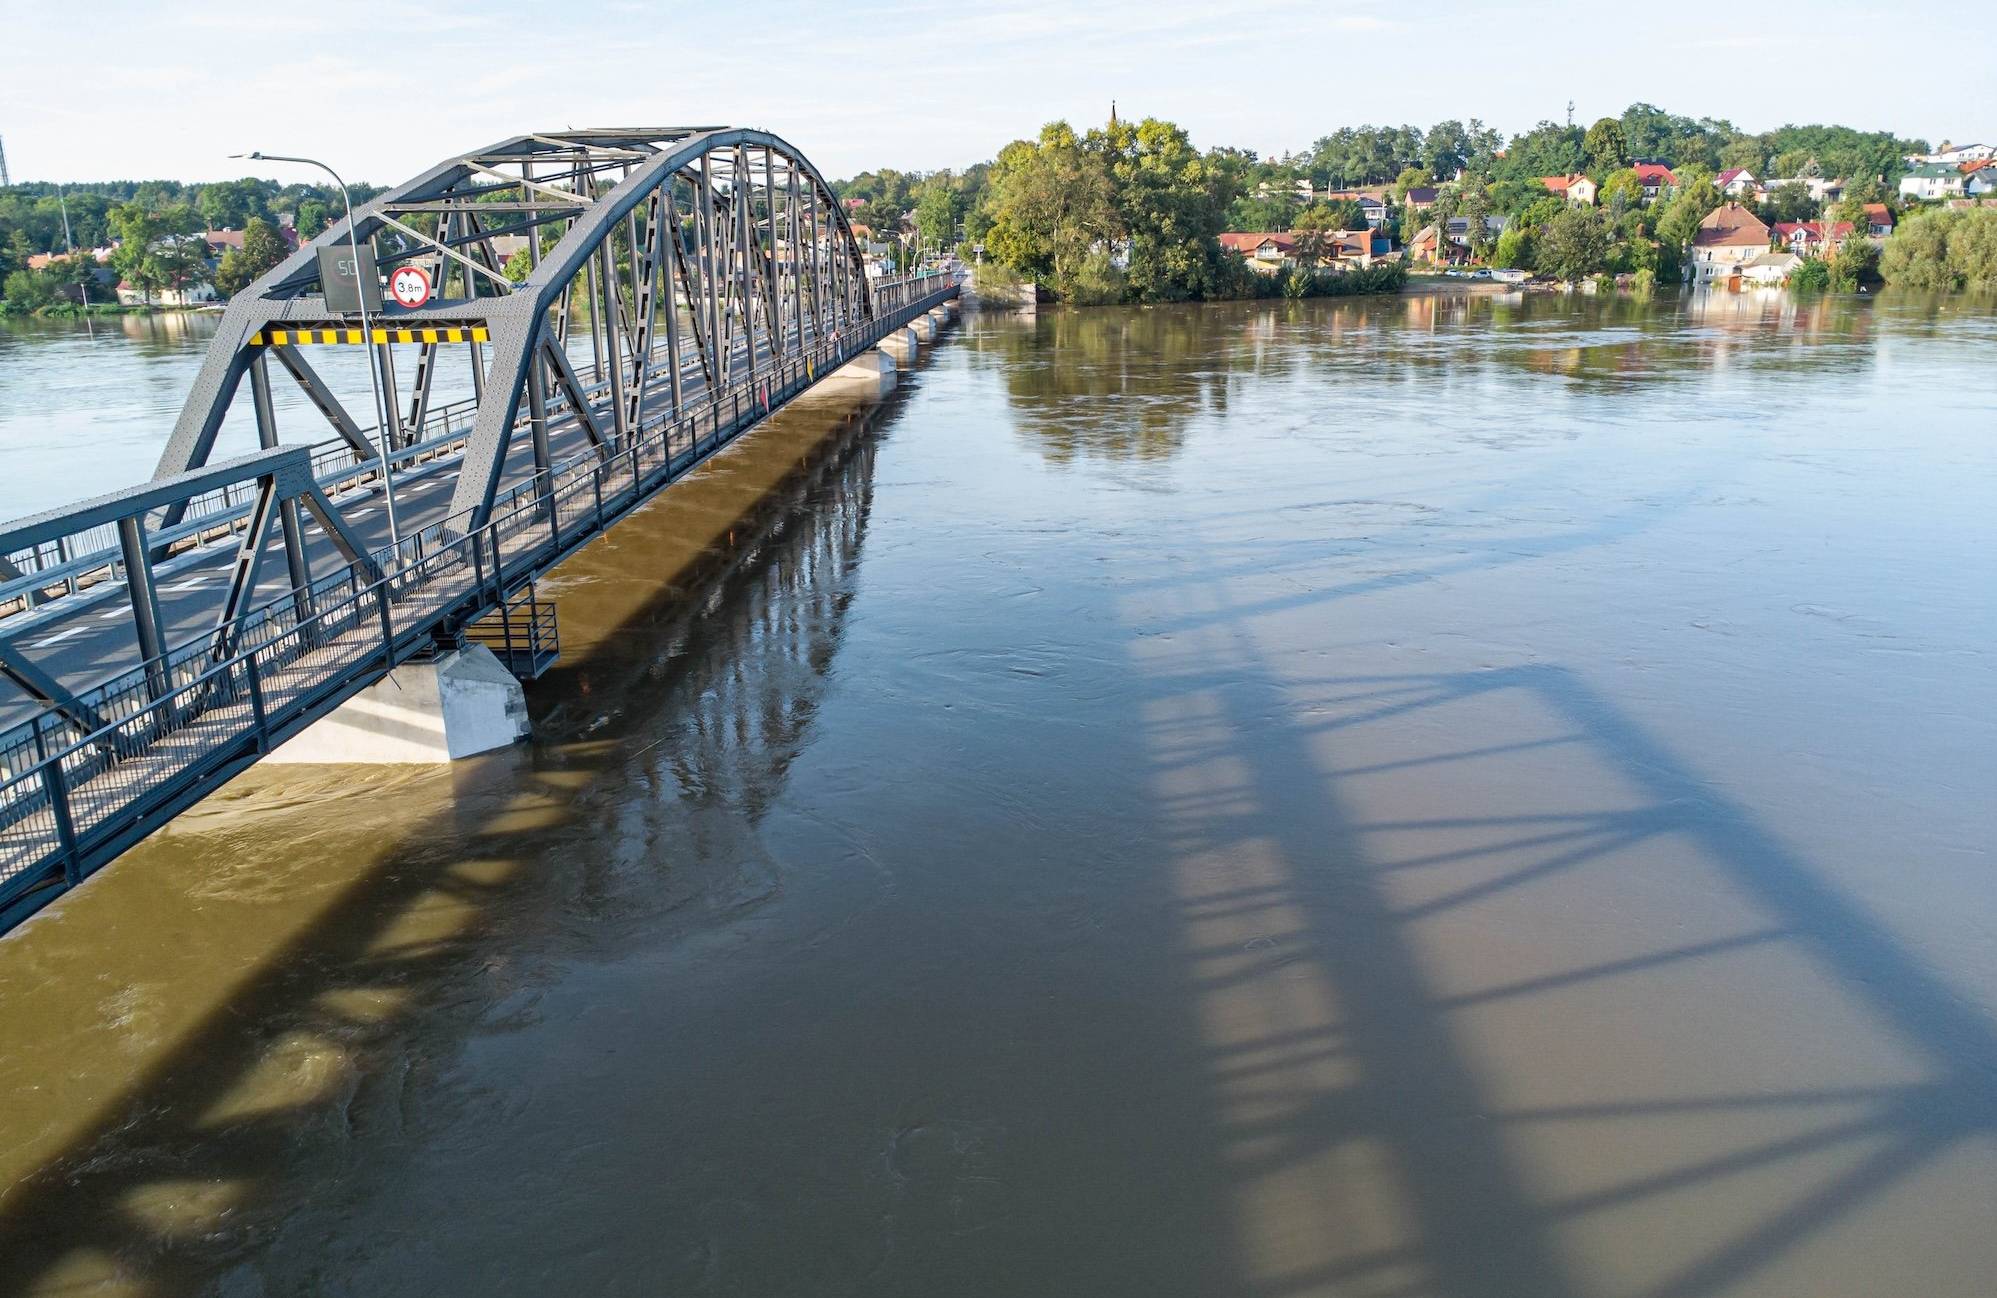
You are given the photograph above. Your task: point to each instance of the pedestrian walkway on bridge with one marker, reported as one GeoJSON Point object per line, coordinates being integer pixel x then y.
{"type": "Point", "coordinates": [685, 284]}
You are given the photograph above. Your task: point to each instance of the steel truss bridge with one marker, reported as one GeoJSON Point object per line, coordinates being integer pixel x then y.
{"type": "Point", "coordinates": [679, 285]}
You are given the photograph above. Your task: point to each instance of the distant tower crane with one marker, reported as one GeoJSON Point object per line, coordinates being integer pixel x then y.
{"type": "Point", "coordinates": [5, 180]}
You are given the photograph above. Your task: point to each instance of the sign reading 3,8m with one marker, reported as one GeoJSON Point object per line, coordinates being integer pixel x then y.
{"type": "Point", "coordinates": [409, 286]}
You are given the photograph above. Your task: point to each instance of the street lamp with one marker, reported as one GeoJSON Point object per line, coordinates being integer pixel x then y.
{"type": "Point", "coordinates": [383, 411]}
{"type": "Point", "coordinates": [82, 285]}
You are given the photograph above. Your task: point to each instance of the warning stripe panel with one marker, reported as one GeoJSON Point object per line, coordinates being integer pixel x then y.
{"type": "Point", "coordinates": [352, 337]}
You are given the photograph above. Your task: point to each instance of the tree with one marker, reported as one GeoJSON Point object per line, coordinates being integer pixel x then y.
{"type": "Point", "coordinates": [28, 290]}
{"type": "Point", "coordinates": [157, 249]}
{"type": "Point", "coordinates": [937, 213]}
{"type": "Point", "coordinates": [1696, 199]}
{"type": "Point", "coordinates": [1943, 249]}
{"type": "Point", "coordinates": [1333, 214]}
{"type": "Point", "coordinates": [1573, 245]}
{"type": "Point", "coordinates": [313, 217]}
{"type": "Point", "coordinates": [1605, 146]}
{"type": "Point", "coordinates": [1514, 249]}
{"type": "Point", "coordinates": [1790, 202]}
{"type": "Point", "coordinates": [262, 250]}
{"type": "Point", "coordinates": [1622, 190]}
{"type": "Point", "coordinates": [1856, 262]}
{"type": "Point", "coordinates": [1050, 202]}
{"type": "Point", "coordinates": [1446, 148]}
{"type": "Point", "coordinates": [1410, 178]}
{"type": "Point", "coordinates": [1171, 207]}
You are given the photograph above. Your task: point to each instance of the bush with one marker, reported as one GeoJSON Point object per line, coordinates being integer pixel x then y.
{"type": "Point", "coordinates": [1856, 263]}
{"type": "Point", "coordinates": [1813, 276]}
{"type": "Point", "coordinates": [1946, 249]}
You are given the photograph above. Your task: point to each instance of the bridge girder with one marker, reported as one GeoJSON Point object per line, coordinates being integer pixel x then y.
{"type": "Point", "coordinates": [686, 256]}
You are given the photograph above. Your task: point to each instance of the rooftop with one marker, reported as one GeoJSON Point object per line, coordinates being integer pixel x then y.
{"type": "Point", "coordinates": [1730, 226]}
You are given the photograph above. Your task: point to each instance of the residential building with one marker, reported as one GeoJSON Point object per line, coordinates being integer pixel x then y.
{"type": "Point", "coordinates": [1953, 155]}
{"type": "Point", "coordinates": [1374, 206]}
{"type": "Point", "coordinates": [1979, 178]}
{"type": "Point", "coordinates": [1806, 238]}
{"type": "Point", "coordinates": [192, 293]}
{"type": "Point", "coordinates": [1432, 246]}
{"type": "Point", "coordinates": [1879, 220]}
{"type": "Point", "coordinates": [1344, 248]}
{"type": "Point", "coordinates": [1457, 230]}
{"type": "Point", "coordinates": [1770, 267]}
{"type": "Point", "coordinates": [1422, 197]}
{"type": "Point", "coordinates": [1739, 182]}
{"type": "Point", "coordinates": [1932, 180]}
{"type": "Point", "coordinates": [1577, 188]}
{"type": "Point", "coordinates": [1656, 179]}
{"type": "Point", "coordinates": [1266, 252]}
{"type": "Point", "coordinates": [1299, 189]}
{"type": "Point", "coordinates": [1729, 237]}
{"type": "Point", "coordinates": [1819, 189]}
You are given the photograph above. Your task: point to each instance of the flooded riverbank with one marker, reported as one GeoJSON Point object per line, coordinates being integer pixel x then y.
{"type": "Point", "coordinates": [1428, 796]}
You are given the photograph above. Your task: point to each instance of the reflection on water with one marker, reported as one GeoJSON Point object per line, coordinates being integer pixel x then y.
{"type": "Point", "coordinates": [1446, 796]}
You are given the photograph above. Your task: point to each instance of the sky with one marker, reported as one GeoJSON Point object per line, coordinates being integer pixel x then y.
{"type": "Point", "coordinates": [382, 90]}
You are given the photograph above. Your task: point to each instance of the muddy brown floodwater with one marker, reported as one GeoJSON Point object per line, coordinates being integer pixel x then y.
{"type": "Point", "coordinates": [1405, 797]}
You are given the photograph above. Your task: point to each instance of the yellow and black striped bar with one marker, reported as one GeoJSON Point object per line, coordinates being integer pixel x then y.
{"type": "Point", "coordinates": [352, 337]}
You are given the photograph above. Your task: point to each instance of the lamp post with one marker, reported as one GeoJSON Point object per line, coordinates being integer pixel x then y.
{"type": "Point", "coordinates": [383, 411]}
{"type": "Point", "coordinates": [82, 285]}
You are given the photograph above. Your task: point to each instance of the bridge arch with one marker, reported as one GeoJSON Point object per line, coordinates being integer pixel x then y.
{"type": "Point", "coordinates": [684, 258]}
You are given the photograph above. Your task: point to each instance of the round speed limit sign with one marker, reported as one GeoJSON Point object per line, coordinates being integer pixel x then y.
{"type": "Point", "coordinates": [410, 286]}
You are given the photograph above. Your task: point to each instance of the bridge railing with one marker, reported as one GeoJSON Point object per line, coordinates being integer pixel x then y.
{"type": "Point", "coordinates": [70, 800]}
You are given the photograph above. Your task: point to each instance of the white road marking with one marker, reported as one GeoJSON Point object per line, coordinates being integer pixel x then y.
{"type": "Point", "coordinates": [60, 636]}
{"type": "Point", "coordinates": [189, 584]}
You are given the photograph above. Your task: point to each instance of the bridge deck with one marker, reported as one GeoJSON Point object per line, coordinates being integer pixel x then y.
{"type": "Point", "coordinates": [69, 802]}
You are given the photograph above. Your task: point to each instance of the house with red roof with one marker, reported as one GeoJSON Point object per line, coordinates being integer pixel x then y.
{"type": "Point", "coordinates": [1739, 182]}
{"type": "Point", "coordinates": [1266, 252]}
{"type": "Point", "coordinates": [1577, 188]}
{"type": "Point", "coordinates": [1807, 239]}
{"type": "Point", "coordinates": [1729, 237]}
{"type": "Point", "coordinates": [1656, 179]}
{"type": "Point", "coordinates": [1879, 220]}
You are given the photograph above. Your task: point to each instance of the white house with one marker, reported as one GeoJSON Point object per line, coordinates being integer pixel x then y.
{"type": "Point", "coordinates": [1819, 189]}
{"type": "Point", "coordinates": [1932, 180]}
{"type": "Point", "coordinates": [1770, 267]}
{"type": "Point", "coordinates": [1979, 179]}
{"type": "Point", "coordinates": [1956, 154]}
{"type": "Point", "coordinates": [1738, 182]}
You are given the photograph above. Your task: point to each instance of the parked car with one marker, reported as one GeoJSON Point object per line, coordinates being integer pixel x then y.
{"type": "Point", "coordinates": [1482, 272]}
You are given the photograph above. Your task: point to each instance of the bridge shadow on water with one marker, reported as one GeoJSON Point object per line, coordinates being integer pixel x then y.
{"type": "Point", "coordinates": [700, 632]}
{"type": "Point", "coordinates": [1745, 1062]}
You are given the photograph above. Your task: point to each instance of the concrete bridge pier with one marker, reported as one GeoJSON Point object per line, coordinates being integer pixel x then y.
{"type": "Point", "coordinates": [868, 376]}
{"type": "Point", "coordinates": [437, 709]}
{"type": "Point", "coordinates": [904, 345]}
{"type": "Point", "coordinates": [924, 328]}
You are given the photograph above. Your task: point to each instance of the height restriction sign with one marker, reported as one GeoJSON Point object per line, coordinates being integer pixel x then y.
{"type": "Point", "coordinates": [409, 286]}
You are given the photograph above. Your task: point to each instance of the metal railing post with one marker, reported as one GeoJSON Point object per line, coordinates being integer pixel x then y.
{"type": "Point", "coordinates": [387, 628]}
{"type": "Point", "coordinates": [56, 786]}
{"type": "Point", "coordinates": [256, 704]}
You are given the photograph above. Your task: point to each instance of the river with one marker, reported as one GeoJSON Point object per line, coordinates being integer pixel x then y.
{"type": "Point", "coordinates": [1423, 796]}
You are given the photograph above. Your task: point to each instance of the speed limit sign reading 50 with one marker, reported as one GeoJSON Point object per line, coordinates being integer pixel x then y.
{"type": "Point", "coordinates": [409, 286]}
